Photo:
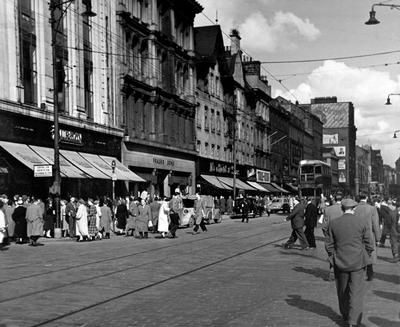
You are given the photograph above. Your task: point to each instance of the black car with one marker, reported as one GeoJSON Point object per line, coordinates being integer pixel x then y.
{"type": "Point", "coordinates": [239, 207]}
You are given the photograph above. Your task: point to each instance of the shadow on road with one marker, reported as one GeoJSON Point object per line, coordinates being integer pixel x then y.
{"type": "Point", "coordinates": [388, 295]}
{"type": "Point", "coordinates": [314, 307]}
{"type": "Point", "coordinates": [317, 272]}
{"type": "Point", "coordinates": [308, 254]}
{"type": "Point", "coordinates": [382, 322]}
{"type": "Point", "coordinates": [395, 279]}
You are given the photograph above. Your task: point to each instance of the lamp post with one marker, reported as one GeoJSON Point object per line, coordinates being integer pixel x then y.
{"type": "Point", "coordinates": [55, 23]}
{"type": "Point", "coordinates": [114, 178]}
{"type": "Point", "coordinates": [388, 103]}
{"type": "Point", "coordinates": [395, 133]}
{"type": "Point", "coordinates": [372, 20]}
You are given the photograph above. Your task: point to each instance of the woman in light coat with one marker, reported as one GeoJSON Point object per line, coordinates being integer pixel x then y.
{"type": "Point", "coordinates": [105, 219]}
{"type": "Point", "coordinates": [82, 231]}
{"type": "Point", "coordinates": [163, 218]}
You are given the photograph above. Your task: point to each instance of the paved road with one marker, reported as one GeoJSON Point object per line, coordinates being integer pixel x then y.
{"type": "Point", "coordinates": [236, 274]}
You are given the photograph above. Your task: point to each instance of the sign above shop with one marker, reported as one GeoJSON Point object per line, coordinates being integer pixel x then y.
{"type": "Point", "coordinates": [67, 136]}
{"type": "Point", "coordinates": [43, 170]}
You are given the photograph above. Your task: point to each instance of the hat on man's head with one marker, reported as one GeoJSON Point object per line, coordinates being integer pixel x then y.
{"type": "Point", "coordinates": [349, 203]}
{"type": "Point", "coordinates": [177, 190]}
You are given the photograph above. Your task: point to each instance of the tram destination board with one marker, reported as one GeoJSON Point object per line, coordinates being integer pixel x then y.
{"type": "Point", "coordinates": [43, 170]}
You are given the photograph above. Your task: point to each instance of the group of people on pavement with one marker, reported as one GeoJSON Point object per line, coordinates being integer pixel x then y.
{"type": "Point", "coordinates": [353, 230]}
{"type": "Point", "coordinates": [25, 219]}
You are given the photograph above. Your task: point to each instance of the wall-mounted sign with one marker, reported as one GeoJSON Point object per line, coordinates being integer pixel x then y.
{"type": "Point", "coordinates": [340, 151]}
{"type": "Point", "coordinates": [330, 139]}
{"type": "Point", "coordinates": [67, 136]}
{"type": "Point", "coordinates": [342, 177]}
{"type": "Point", "coordinates": [43, 170]}
{"type": "Point", "coordinates": [342, 164]}
{"type": "Point", "coordinates": [263, 176]}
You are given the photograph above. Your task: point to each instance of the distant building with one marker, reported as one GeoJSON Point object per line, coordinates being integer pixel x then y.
{"type": "Point", "coordinates": [363, 169]}
{"type": "Point", "coordinates": [330, 157]}
{"type": "Point", "coordinates": [339, 133]}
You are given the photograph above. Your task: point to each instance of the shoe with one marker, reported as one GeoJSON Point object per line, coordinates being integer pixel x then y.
{"type": "Point", "coordinates": [195, 233]}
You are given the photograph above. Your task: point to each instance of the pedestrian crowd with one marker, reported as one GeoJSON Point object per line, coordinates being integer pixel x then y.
{"type": "Point", "coordinates": [353, 230]}
{"type": "Point", "coordinates": [24, 219]}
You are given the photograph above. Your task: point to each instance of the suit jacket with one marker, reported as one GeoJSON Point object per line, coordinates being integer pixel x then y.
{"type": "Point", "coordinates": [297, 216]}
{"type": "Point", "coordinates": [349, 243]}
{"type": "Point", "coordinates": [370, 214]}
{"type": "Point", "coordinates": [331, 212]}
{"type": "Point", "coordinates": [311, 215]}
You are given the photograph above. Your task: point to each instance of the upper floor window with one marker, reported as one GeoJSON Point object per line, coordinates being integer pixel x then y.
{"type": "Point", "coordinates": [206, 121]}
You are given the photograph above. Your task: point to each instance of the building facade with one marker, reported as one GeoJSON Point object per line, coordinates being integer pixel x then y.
{"type": "Point", "coordinates": [339, 132]}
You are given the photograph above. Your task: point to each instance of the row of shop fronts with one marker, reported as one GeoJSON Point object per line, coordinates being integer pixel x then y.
{"type": "Point", "coordinates": [86, 157]}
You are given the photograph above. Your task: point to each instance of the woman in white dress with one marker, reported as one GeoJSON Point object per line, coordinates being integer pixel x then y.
{"type": "Point", "coordinates": [163, 218]}
{"type": "Point", "coordinates": [82, 231]}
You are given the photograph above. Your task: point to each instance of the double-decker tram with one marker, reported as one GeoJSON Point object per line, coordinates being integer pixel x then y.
{"type": "Point", "coordinates": [315, 178]}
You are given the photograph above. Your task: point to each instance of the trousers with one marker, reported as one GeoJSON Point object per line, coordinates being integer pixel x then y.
{"type": "Point", "coordinates": [350, 287]}
{"type": "Point", "coordinates": [298, 234]}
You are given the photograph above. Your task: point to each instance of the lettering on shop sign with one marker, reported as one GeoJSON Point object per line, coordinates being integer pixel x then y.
{"type": "Point", "coordinates": [163, 162]}
{"type": "Point", "coordinates": [70, 137]}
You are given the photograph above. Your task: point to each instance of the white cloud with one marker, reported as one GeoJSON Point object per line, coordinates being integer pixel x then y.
{"type": "Point", "coordinates": [260, 35]}
{"type": "Point", "coordinates": [367, 89]}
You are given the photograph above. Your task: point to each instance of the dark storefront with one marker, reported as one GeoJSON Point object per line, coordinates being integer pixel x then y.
{"type": "Point", "coordinates": [85, 158]}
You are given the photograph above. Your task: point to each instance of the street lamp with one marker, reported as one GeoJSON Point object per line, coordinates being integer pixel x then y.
{"type": "Point", "coordinates": [394, 135]}
{"type": "Point", "coordinates": [114, 178]}
{"type": "Point", "coordinates": [388, 103]}
{"type": "Point", "coordinates": [372, 20]}
{"type": "Point", "coordinates": [55, 23]}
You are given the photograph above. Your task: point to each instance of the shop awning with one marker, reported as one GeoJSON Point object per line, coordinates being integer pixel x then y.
{"type": "Point", "coordinates": [213, 180]}
{"type": "Point", "coordinates": [72, 164]}
{"type": "Point", "coordinates": [292, 188]}
{"type": "Point", "coordinates": [66, 168]}
{"type": "Point", "coordinates": [76, 159]}
{"type": "Point", "coordinates": [258, 187]}
{"type": "Point", "coordinates": [239, 184]}
{"type": "Point", "coordinates": [24, 154]}
{"type": "Point", "coordinates": [123, 172]}
{"type": "Point", "coordinates": [281, 189]}
{"type": "Point", "coordinates": [270, 188]}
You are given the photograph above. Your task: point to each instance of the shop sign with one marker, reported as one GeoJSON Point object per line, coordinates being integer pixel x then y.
{"type": "Point", "coordinates": [263, 176]}
{"type": "Point", "coordinates": [67, 136]}
{"type": "Point", "coordinates": [169, 163]}
{"type": "Point", "coordinates": [43, 170]}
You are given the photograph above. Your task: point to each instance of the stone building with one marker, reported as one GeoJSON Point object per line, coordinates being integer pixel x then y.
{"type": "Point", "coordinates": [157, 92]}
{"type": "Point", "coordinates": [69, 44]}
{"type": "Point", "coordinates": [339, 132]}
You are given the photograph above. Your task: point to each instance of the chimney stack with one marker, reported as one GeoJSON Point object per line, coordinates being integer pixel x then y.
{"type": "Point", "coordinates": [235, 41]}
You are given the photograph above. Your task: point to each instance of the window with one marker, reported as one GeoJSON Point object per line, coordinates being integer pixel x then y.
{"type": "Point", "coordinates": [212, 121]}
{"type": "Point", "coordinates": [198, 146]}
{"type": "Point", "coordinates": [206, 122]}
{"type": "Point", "coordinates": [212, 150]}
{"type": "Point", "coordinates": [206, 149]}
{"type": "Point", "coordinates": [218, 122]}
{"type": "Point", "coordinates": [87, 64]}
{"type": "Point", "coordinates": [218, 153]}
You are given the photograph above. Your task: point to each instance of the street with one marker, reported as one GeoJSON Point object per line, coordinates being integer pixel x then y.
{"type": "Point", "coordinates": [236, 274]}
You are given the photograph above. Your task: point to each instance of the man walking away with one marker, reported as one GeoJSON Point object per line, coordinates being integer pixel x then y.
{"type": "Point", "coordinates": [200, 213]}
{"type": "Point", "coordinates": [349, 247]}
{"type": "Point", "coordinates": [370, 215]}
{"type": "Point", "coordinates": [386, 221]}
{"type": "Point", "coordinates": [175, 206]}
{"type": "Point", "coordinates": [34, 218]}
{"type": "Point", "coordinates": [297, 221]}
{"type": "Point", "coordinates": [311, 218]}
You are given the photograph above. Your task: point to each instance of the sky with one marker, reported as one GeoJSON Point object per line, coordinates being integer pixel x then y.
{"type": "Point", "coordinates": [293, 30]}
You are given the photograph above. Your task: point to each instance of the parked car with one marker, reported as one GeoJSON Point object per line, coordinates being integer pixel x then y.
{"type": "Point", "coordinates": [279, 204]}
{"type": "Point", "coordinates": [238, 208]}
{"type": "Point", "coordinates": [186, 218]}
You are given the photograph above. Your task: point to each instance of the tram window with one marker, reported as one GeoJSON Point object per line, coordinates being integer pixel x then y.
{"type": "Point", "coordinates": [318, 169]}
{"type": "Point", "coordinates": [307, 170]}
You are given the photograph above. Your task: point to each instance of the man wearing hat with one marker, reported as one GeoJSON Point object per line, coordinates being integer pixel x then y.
{"type": "Point", "coordinates": [175, 205]}
{"type": "Point", "coordinates": [349, 246]}
{"type": "Point", "coordinates": [296, 218]}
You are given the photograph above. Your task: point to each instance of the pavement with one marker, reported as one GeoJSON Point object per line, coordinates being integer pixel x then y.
{"type": "Point", "coordinates": [236, 274]}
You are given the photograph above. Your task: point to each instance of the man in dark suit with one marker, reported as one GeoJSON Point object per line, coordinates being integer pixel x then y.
{"type": "Point", "coordinates": [349, 247]}
{"type": "Point", "coordinates": [311, 218]}
{"type": "Point", "coordinates": [332, 212]}
{"type": "Point", "coordinates": [370, 214]}
{"type": "Point", "coordinates": [297, 221]}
